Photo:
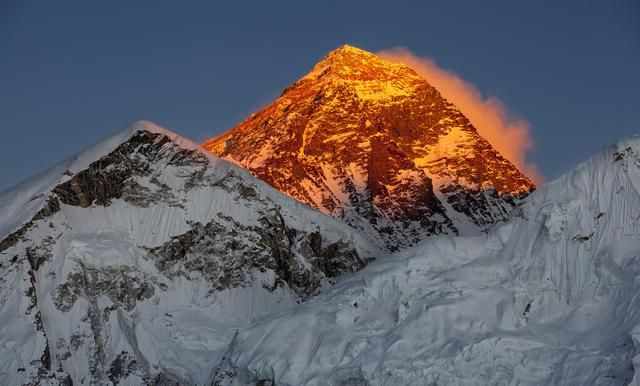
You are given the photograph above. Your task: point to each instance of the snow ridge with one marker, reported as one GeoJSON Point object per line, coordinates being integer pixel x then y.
{"type": "Point", "coordinates": [551, 297]}
{"type": "Point", "coordinates": [139, 258]}
{"type": "Point", "coordinates": [147, 260]}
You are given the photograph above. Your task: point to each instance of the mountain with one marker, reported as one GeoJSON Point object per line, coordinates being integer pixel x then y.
{"type": "Point", "coordinates": [146, 260]}
{"type": "Point", "coordinates": [372, 143]}
{"type": "Point", "coordinates": [136, 261]}
{"type": "Point", "coordinates": [551, 297]}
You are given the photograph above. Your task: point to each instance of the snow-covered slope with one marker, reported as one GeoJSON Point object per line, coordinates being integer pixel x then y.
{"type": "Point", "coordinates": [146, 260]}
{"type": "Point", "coordinates": [137, 260]}
{"type": "Point", "coordinates": [550, 298]}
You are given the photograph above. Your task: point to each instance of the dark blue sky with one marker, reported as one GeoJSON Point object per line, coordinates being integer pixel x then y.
{"type": "Point", "coordinates": [72, 72]}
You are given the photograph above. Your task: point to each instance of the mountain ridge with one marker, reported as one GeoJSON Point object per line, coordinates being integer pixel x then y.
{"type": "Point", "coordinates": [549, 297]}
{"type": "Point", "coordinates": [126, 245]}
{"type": "Point", "coordinates": [147, 260]}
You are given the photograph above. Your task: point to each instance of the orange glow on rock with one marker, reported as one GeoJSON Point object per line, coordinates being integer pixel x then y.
{"type": "Point", "coordinates": [509, 136]}
{"type": "Point", "coordinates": [372, 141]}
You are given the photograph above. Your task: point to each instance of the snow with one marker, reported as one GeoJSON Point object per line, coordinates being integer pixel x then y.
{"type": "Point", "coordinates": [20, 203]}
{"type": "Point", "coordinates": [182, 327]}
{"type": "Point", "coordinates": [550, 297]}
{"type": "Point", "coordinates": [527, 304]}
{"type": "Point", "coordinates": [454, 144]}
{"type": "Point", "coordinates": [377, 91]}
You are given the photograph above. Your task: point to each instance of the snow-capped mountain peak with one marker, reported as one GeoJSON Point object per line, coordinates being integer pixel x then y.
{"type": "Point", "coordinates": [371, 142]}
{"type": "Point", "coordinates": [147, 260]}
{"type": "Point", "coordinates": [107, 258]}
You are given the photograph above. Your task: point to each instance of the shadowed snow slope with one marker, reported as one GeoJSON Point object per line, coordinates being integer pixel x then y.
{"type": "Point", "coordinates": [549, 298]}
{"type": "Point", "coordinates": [136, 261]}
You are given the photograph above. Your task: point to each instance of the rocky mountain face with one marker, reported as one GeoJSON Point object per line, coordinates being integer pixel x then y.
{"type": "Point", "coordinates": [136, 261]}
{"type": "Point", "coordinates": [372, 143]}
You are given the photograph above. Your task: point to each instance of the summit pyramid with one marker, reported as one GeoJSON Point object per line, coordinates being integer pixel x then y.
{"type": "Point", "coordinates": [373, 143]}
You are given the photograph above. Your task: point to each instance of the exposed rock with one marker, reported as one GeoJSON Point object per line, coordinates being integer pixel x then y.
{"type": "Point", "coordinates": [374, 144]}
{"type": "Point", "coordinates": [123, 285]}
{"type": "Point", "coordinates": [111, 177]}
{"type": "Point", "coordinates": [222, 249]}
{"type": "Point", "coordinates": [122, 366]}
{"type": "Point", "coordinates": [51, 206]}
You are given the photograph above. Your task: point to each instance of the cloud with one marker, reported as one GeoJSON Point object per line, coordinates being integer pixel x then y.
{"type": "Point", "coordinates": [508, 135]}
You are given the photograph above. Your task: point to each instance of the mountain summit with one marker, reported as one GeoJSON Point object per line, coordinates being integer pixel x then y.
{"type": "Point", "coordinates": [373, 143]}
{"type": "Point", "coordinates": [108, 259]}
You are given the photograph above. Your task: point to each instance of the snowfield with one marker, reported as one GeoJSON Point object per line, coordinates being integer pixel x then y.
{"type": "Point", "coordinates": [550, 298]}
{"type": "Point", "coordinates": [146, 260]}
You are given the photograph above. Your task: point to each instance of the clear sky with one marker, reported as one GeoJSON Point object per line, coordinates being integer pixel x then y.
{"type": "Point", "coordinates": [73, 72]}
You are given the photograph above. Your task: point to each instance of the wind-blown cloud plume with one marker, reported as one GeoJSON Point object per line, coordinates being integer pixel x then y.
{"type": "Point", "coordinates": [508, 135]}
